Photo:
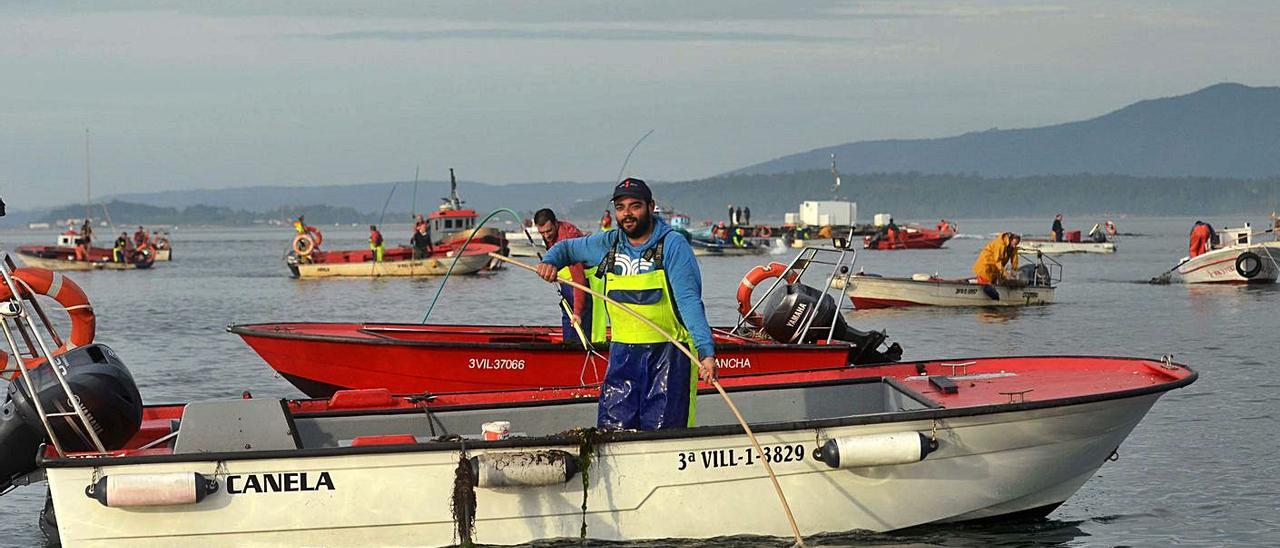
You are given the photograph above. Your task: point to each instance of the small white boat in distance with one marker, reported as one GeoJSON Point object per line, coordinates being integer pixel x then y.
{"type": "Point", "coordinates": [1034, 285]}
{"type": "Point", "coordinates": [1050, 247]}
{"type": "Point", "coordinates": [1238, 260]}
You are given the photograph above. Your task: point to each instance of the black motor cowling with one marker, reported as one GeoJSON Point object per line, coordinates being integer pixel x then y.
{"type": "Point", "coordinates": [1033, 274]}
{"type": "Point", "coordinates": [786, 312]}
{"type": "Point", "coordinates": [106, 390]}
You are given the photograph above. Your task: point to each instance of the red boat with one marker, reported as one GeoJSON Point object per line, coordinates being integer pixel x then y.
{"type": "Point", "coordinates": [321, 358]}
{"type": "Point", "coordinates": [910, 237]}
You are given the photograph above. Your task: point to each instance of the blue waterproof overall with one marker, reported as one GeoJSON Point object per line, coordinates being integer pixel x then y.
{"type": "Point", "coordinates": [650, 384]}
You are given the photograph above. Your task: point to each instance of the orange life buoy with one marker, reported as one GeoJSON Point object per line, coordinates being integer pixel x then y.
{"type": "Point", "coordinates": [304, 244]}
{"type": "Point", "coordinates": [753, 278]}
{"type": "Point", "coordinates": [764, 231]}
{"type": "Point", "coordinates": [73, 299]}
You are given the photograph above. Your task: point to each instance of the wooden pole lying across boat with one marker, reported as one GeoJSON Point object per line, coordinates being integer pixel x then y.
{"type": "Point", "coordinates": [795, 530]}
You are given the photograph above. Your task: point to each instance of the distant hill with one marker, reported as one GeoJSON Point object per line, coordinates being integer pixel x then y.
{"type": "Point", "coordinates": [1225, 130]}
{"type": "Point", "coordinates": [370, 197]}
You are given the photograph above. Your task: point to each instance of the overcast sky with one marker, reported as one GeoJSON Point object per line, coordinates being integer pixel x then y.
{"type": "Point", "coordinates": [185, 95]}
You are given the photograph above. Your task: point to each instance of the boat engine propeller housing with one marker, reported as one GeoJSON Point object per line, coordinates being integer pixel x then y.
{"type": "Point", "coordinates": [801, 314]}
{"type": "Point", "coordinates": [106, 391]}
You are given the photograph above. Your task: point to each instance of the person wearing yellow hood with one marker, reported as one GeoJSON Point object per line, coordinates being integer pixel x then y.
{"type": "Point", "coordinates": [990, 266]}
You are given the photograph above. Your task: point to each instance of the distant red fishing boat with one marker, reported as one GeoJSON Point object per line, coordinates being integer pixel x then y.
{"type": "Point", "coordinates": [396, 261]}
{"type": "Point", "coordinates": [911, 237]}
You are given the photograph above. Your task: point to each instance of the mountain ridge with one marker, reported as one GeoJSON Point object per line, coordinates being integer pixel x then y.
{"type": "Point", "coordinates": [1225, 130]}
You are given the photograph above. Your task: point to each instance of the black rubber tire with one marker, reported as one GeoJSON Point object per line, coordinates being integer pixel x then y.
{"type": "Point", "coordinates": [1248, 265]}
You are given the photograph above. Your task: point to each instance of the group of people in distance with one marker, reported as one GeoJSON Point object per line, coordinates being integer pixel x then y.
{"type": "Point", "coordinates": [124, 248]}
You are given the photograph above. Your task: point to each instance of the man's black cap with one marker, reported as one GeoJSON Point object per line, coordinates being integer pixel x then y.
{"type": "Point", "coordinates": [632, 188]}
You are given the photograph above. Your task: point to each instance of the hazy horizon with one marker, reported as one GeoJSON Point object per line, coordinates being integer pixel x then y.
{"type": "Point", "coordinates": [184, 95]}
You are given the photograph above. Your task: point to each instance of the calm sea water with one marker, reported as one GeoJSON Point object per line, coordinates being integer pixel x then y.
{"type": "Point", "coordinates": [1200, 470]}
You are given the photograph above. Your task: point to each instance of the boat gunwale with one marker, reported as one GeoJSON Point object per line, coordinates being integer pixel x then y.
{"type": "Point", "coordinates": [246, 330]}
{"type": "Point", "coordinates": [564, 439]}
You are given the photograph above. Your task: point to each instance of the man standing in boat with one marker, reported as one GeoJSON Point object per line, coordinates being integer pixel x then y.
{"type": "Point", "coordinates": [122, 244]}
{"type": "Point", "coordinates": [1056, 230]}
{"type": "Point", "coordinates": [554, 231]}
{"type": "Point", "coordinates": [650, 384]}
{"type": "Point", "coordinates": [421, 241]}
{"type": "Point", "coordinates": [375, 243]}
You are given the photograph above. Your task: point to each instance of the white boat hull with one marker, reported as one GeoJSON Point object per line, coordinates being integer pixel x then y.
{"type": "Point", "coordinates": [878, 292]}
{"type": "Point", "coordinates": [468, 264]}
{"type": "Point", "coordinates": [691, 487]}
{"type": "Point", "coordinates": [73, 266]}
{"type": "Point", "coordinates": [1220, 265]}
{"type": "Point", "coordinates": [1062, 248]}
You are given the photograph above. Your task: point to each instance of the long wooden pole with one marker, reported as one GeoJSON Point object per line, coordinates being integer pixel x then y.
{"type": "Point", "coordinates": [795, 530]}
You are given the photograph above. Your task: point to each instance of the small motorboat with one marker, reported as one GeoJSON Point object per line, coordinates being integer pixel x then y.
{"type": "Point", "coordinates": [910, 237]}
{"type": "Point", "coordinates": [710, 248]}
{"type": "Point", "coordinates": [1237, 260]}
{"type": "Point", "coordinates": [1050, 247]}
{"type": "Point", "coordinates": [64, 258]}
{"type": "Point", "coordinates": [322, 358]}
{"type": "Point", "coordinates": [854, 449]}
{"type": "Point", "coordinates": [1033, 285]}
{"type": "Point", "coordinates": [876, 448]}
{"type": "Point", "coordinates": [396, 261]}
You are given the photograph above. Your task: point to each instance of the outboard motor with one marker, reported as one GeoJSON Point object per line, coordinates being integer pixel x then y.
{"type": "Point", "coordinates": [105, 389]}
{"type": "Point", "coordinates": [1034, 274]}
{"type": "Point", "coordinates": [786, 312]}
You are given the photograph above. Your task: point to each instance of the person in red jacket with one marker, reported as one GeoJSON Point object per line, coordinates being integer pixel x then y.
{"type": "Point", "coordinates": [554, 231]}
{"type": "Point", "coordinates": [1200, 236]}
{"type": "Point", "coordinates": [376, 243]}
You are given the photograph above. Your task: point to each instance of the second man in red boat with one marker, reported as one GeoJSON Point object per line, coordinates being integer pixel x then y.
{"type": "Point", "coordinates": [650, 383]}
{"type": "Point", "coordinates": [554, 231]}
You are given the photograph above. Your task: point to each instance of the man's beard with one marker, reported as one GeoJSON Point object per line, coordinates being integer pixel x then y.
{"type": "Point", "coordinates": [642, 225]}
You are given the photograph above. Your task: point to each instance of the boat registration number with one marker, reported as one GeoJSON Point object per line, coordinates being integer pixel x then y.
{"type": "Point", "coordinates": [966, 291]}
{"type": "Point", "coordinates": [741, 456]}
{"type": "Point", "coordinates": [494, 363]}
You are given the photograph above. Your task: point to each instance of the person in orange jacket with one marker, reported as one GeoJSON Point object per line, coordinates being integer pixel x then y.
{"type": "Point", "coordinates": [1200, 236]}
{"type": "Point", "coordinates": [990, 266]}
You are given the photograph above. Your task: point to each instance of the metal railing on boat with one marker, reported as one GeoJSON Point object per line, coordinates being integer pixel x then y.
{"type": "Point", "coordinates": [809, 256]}
{"type": "Point", "coordinates": [18, 311]}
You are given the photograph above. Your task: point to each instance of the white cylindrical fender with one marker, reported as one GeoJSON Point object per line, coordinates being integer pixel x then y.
{"type": "Point", "coordinates": [875, 450]}
{"type": "Point", "coordinates": [126, 490]}
{"type": "Point", "coordinates": [523, 469]}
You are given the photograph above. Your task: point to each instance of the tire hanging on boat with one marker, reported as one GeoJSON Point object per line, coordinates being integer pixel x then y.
{"type": "Point", "coordinates": [1248, 265]}
{"type": "Point", "coordinates": [51, 284]}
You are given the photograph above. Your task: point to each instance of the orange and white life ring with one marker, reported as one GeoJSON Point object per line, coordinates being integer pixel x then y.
{"type": "Point", "coordinates": [763, 231]}
{"type": "Point", "coordinates": [304, 244]}
{"type": "Point", "coordinates": [73, 299]}
{"type": "Point", "coordinates": [753, 278]}
{"type": "Point", "coordinates": [1110, 227]}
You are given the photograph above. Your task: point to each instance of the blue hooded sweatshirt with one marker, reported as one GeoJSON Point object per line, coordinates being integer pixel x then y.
{"type": "Point", "coordinates": [678, 260]}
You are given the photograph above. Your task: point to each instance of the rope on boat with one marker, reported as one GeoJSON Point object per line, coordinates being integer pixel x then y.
{"type": "Point", "coordinates": [458, 254]}
{"type": "Point", "coordinates": [795, 529]}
